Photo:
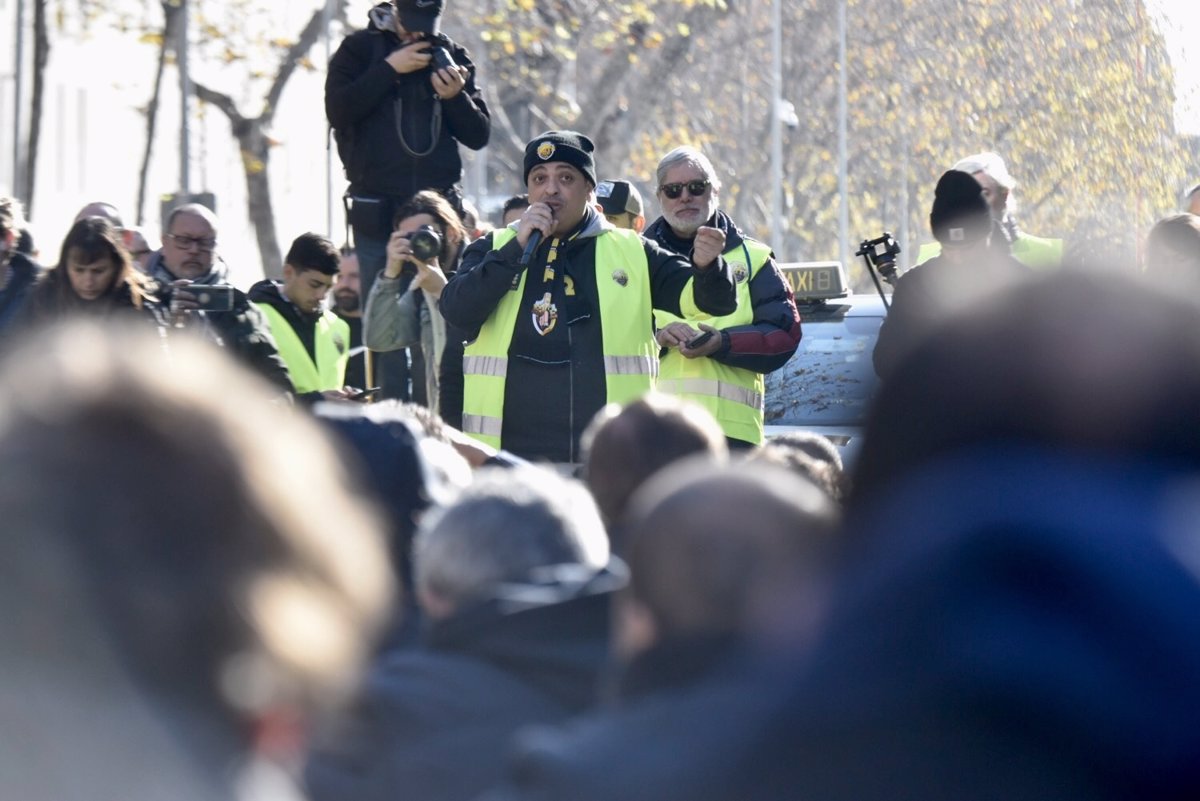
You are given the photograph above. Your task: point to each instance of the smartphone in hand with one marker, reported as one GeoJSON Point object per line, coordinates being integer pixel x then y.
{"type": "Point", "coordinates": [696, 342]}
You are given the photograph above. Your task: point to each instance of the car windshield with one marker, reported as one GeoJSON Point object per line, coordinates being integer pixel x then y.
{"type": "Point", "coordinates": [830, 380]}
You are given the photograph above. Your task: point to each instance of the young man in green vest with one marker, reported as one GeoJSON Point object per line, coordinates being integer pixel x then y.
{"type": "Point", "coordinates": [559, 308]}
{"type": "Point", "coordinates": [313, 341]}
{"type": "Point", "coordinates": [724, 373]}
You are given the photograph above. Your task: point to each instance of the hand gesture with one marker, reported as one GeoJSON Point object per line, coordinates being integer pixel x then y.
{"type": "Point", "coordinates": [707, 348]}
{"type": "Point", "coordinates": [673, 335]}
{"type": "Point", "coordinates": [447, 83]}
{"type": "Point", "coordinates": [538, 217]}
{"type": "Point", "coordinates": [410, 57]}
{"type": "Point", "coordinates": [430, 278]}
{"type": "Point", "coordinates": [707, 246]}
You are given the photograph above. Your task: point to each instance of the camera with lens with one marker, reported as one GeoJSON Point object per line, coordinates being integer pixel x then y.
{"type": "Point", "coordinates": [426, 243]}
{"type": "Point", "coordinates": [440, 53]}
{"type": "Point", "coordinates": [881, 254]}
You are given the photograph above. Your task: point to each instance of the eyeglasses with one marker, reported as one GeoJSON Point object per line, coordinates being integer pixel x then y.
{"type": "Point", "coordinates": [697, 188]}
{"type": "Point", "coordinates": [189, 242]}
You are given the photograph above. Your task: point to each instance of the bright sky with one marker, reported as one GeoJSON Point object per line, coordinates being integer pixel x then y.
{"type": "Point", "coordinates": [1181, 27]}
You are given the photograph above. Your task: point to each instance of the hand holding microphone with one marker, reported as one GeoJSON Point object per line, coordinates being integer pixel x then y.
{"type": "Point", "coordinates": [537, 222]}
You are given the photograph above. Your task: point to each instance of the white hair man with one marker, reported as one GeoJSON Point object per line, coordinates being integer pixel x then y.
{"type": "Point", "coordinates": [999, 187]}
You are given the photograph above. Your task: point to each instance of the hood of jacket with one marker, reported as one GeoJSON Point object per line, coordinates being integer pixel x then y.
{"type": "Point", "coordinates": [553, 632]}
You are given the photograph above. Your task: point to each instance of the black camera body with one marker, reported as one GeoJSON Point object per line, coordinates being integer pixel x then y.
{"type": "Point", "coordinates": [881, 254]}
{"type": "Point", "coordinates": [426, 243]}
{"type": "Point", "coordinates": [439, 50]}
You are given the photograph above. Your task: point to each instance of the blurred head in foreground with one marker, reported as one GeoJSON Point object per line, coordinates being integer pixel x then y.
{"type": "Point", "coordinates": [188, 578]}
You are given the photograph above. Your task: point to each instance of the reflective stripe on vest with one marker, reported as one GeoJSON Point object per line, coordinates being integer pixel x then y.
{"type": "Point", "coordinates": [331, 342]}
{"type": "Point", "coordinates": [733, 395]}
{"type": "Point", "coordinates": [630, 352]}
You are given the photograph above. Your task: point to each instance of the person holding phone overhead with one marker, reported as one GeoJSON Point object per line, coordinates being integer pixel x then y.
{"type": "Point", "coordinates": [188, 261]}
{"type": "Point", "coordinates": [720, 363]}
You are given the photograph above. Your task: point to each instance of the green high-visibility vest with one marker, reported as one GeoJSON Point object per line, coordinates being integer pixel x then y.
{"type": "Point", "coordinates": [630, 352]}
{"type": "Point", "coordinates": [1032, 251]}
{"type": "Point", "coordinates": [332, 347]}
{"type": "Point", "coordinates": [733, 395]}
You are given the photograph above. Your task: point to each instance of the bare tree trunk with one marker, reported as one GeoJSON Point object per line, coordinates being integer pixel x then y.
{"type": "Point", "coordinates": [41, 56]}
{"type": "Point", "coordinates": [251, 136]}
{"type": "Point", "coordinates": [170, 13]}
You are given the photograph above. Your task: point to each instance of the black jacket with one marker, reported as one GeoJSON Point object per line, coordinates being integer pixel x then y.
{"type": "Point", "coordinates": [243, 331]}
{"type": "Point", "coordinates": [369, 104]}
{"type": "Point", "coordinates": [769, 341]}
{"type": "Point", "coordinates": [556, 383]}
{"type": "Point", "coordinates": [929, 292]}
{"type": "Point", "coordinates": [25, 274]}
{"type": "Point", "coordinates": [435, 721]}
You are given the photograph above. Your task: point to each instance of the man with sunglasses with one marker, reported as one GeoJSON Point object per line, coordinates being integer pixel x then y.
{"type": "Point", "coordinates": [560, 308]}
{"type": "Point", "coordinates": [720, 363]}
{"type": "Point", "coordinates": [188, 258]}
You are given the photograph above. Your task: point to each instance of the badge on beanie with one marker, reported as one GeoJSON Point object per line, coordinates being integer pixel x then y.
{"type": "Point", "coordinates": [545, 150]}
{"type": "Point", "coordinates": [545, 315]}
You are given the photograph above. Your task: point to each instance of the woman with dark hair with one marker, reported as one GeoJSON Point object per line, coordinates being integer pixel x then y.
{"type": "Point", "coordinates": [95, 275]}
{"type": "Point", "coordinates": [402, 309]}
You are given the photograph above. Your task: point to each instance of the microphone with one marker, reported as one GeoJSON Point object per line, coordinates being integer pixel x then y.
{"type": "Point", "coordinates": [535, 239]}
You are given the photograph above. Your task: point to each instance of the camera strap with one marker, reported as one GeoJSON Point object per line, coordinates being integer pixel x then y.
{"type": "Point", "coordinates": [435, 128]}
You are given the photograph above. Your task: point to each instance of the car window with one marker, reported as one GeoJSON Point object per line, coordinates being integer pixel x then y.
{"type": "Point", "coordinates": [830, 380]}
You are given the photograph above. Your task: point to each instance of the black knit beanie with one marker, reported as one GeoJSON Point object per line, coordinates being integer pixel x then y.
{"type": "Point", "coordinates": [571, 147]}
{"type": "Point", "coordinates": [960, 214]}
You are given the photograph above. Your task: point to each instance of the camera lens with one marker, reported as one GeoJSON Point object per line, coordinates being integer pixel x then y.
{"type": "Point", "coordinates": [426, 243]}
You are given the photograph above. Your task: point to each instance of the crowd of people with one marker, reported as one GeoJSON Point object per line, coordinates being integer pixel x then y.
{"type": "Point", "coordinates": [557, 556]}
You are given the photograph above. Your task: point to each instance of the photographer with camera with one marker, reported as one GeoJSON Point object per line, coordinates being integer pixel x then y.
{"type": "Point", "coordinates": [400, 97]}
{"type": "Point", "coordinates": [402, 307]}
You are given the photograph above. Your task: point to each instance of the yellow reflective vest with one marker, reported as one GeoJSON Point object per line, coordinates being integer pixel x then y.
{"type": "Point", "coordinates": [1032, 251]}
{"type": "Point", "coordinates": [332, 345]}
{"type": "Point", "coordinates": [733, 395]}
{"type": "Point", "coordinates": [630, 352]}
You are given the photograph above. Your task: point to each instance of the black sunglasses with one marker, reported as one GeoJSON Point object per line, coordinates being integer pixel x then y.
{"type": "Point", "coordinates": [697, 188]}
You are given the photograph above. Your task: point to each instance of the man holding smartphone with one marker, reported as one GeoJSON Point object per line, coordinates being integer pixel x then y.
{"type": "Point", "coordinates": [721, 364]}
{"type": "Point", "coordinates": [190, 272]}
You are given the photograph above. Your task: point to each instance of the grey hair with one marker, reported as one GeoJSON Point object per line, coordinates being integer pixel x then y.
{"type": "Point", "coordinates": [502, 528]}
{"type": "Point", "coordinates": [687, 154]}
{"type": "Point", "coordinates": [196, 210]}
{"type": "Point", "coordinates": [990, 163]}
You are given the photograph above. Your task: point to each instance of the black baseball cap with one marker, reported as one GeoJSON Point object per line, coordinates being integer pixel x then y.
{"type": "Point", "coordinates": [619, 197]}
{"type": "Point", "coordinates": [419, 16]}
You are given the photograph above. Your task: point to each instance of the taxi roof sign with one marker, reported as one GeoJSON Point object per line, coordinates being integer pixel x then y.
{"type": "Point", "coordinates": [816, 280]}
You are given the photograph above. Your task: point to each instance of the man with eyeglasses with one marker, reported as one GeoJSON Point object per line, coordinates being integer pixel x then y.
{"type": "Point", "coordinates": [720, 363]}
{"type": "Point", "coordinates": [188, 259]}
{"type": "Point", "coordinates": [560, 308]}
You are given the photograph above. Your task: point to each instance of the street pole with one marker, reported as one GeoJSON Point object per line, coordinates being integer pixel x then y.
{"type": "Point", "coordinates": [18, 101]}
{"type": "Point", "coordinates": [776, 128]}
{"type": "Point", "coordinates": [326, 18]}
{"type": "Point", "coordinates": [185, 94]}
{"type": "Point", "coordinates": [843, 147]}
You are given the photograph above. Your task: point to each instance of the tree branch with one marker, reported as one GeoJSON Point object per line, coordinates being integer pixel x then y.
{"type": "Point", "coordinates": [304, 42]}
{"type": "Point", "coordinates": [224, 103]}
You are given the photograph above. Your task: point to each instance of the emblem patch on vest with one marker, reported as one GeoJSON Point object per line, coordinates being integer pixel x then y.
{"type": "Point", "coordinates": [545, 150]}
{"type": "Point", "coordinates": [340, 344]}
{"type": "Point", "coordinates": [620, 277]}
{"type": "Point", "coordinates": [545, 315]}
{"type": "Point", "coordinates": [740, 274]}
